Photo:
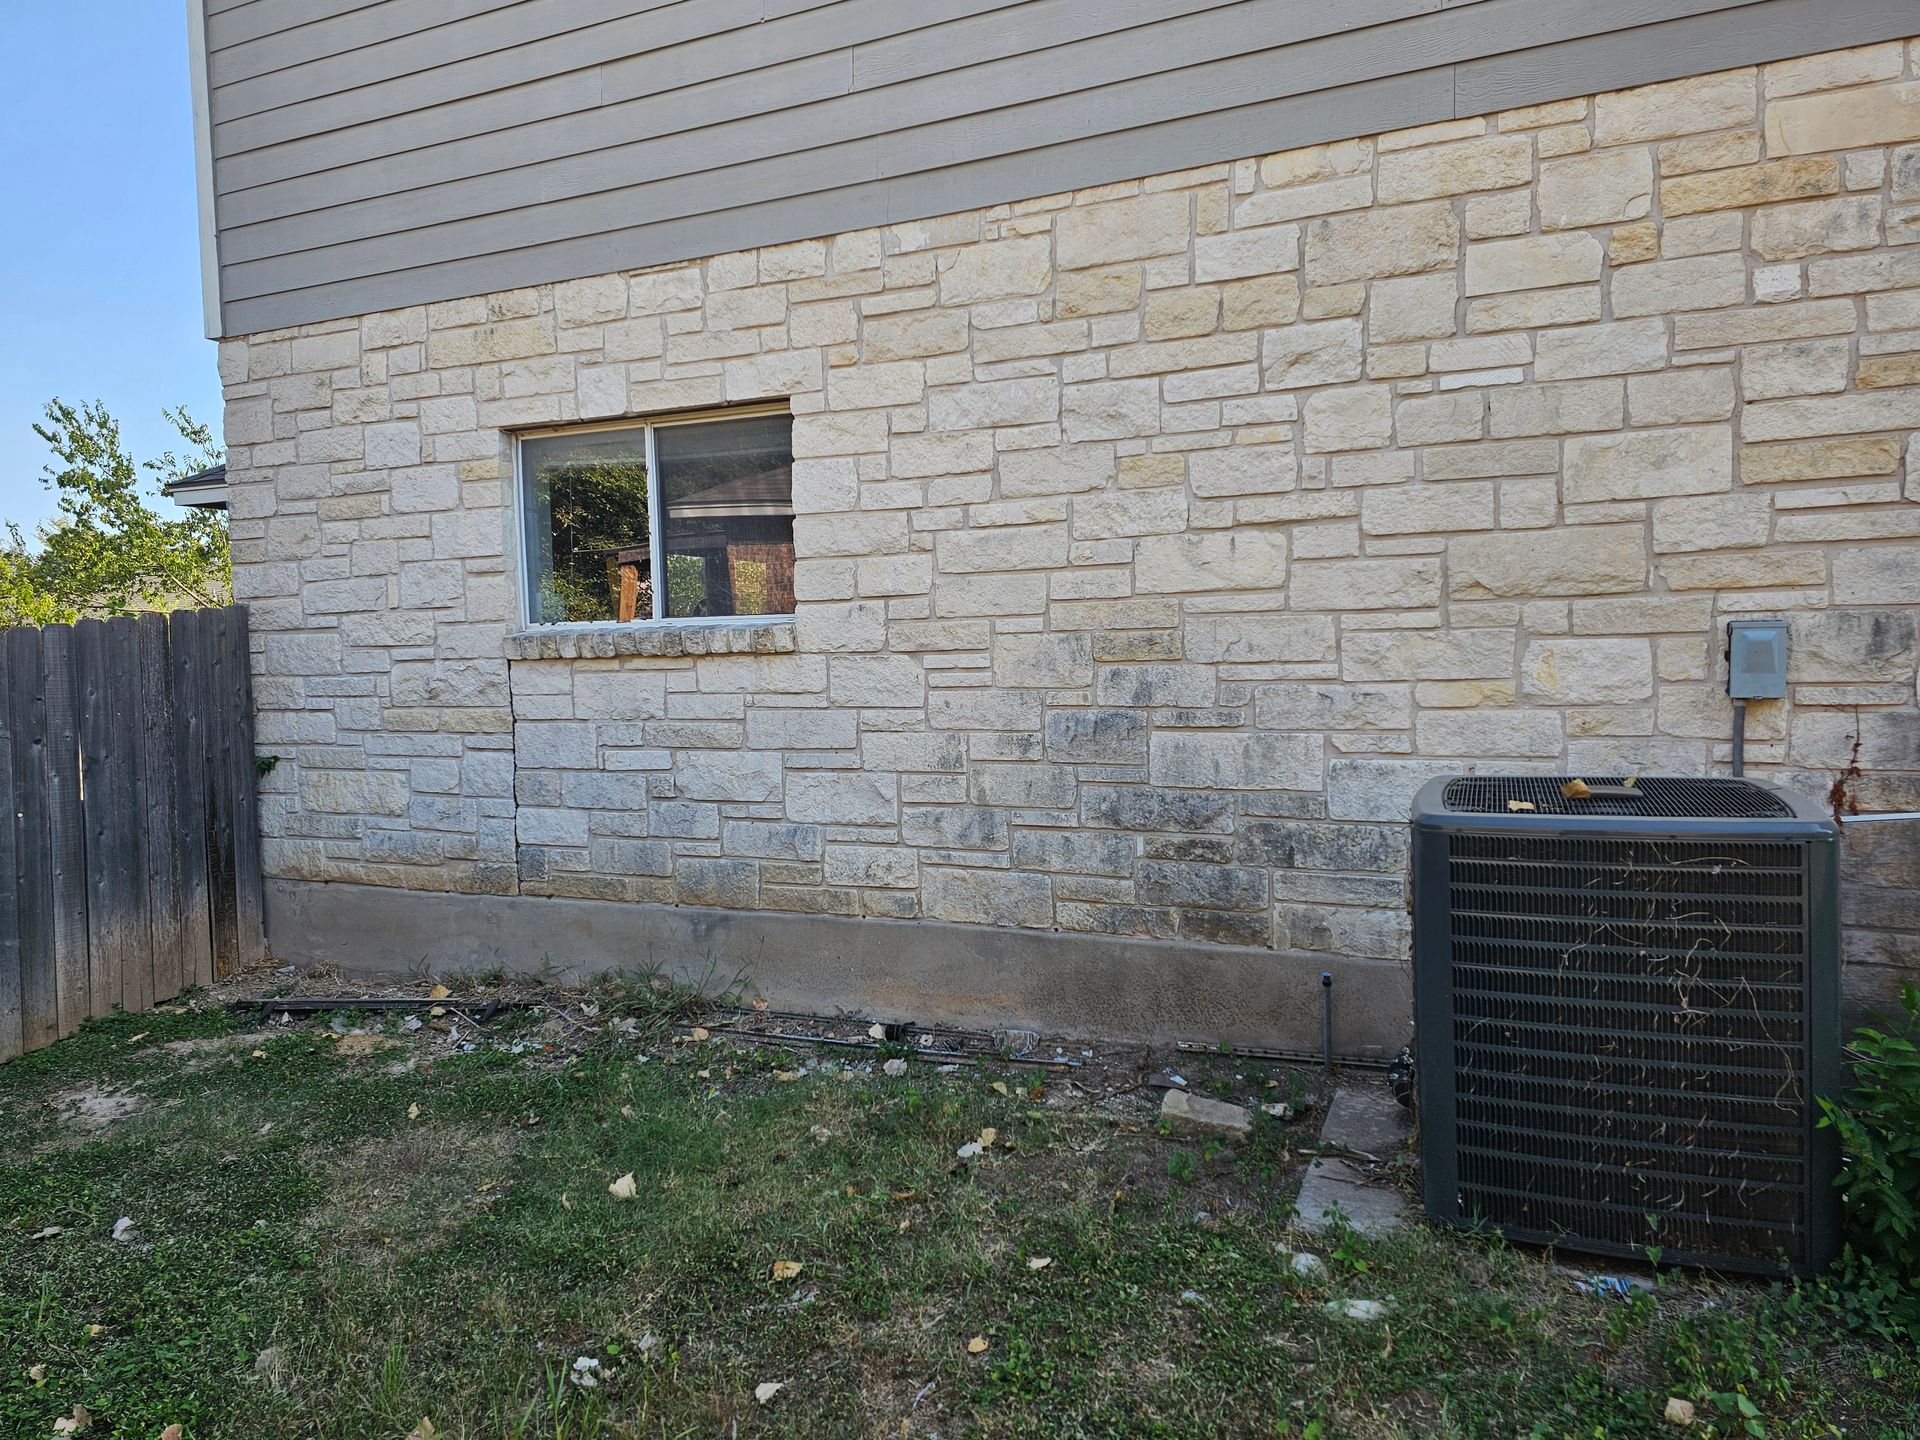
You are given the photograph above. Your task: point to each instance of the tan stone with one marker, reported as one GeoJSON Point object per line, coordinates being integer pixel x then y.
{"type": "Point", "coordinates": [1135, 229]}
{"type": "Point", "coordinates": [1342, 585]}
{"type": "Point", "coordinates": [1492, 163]}
{"type": "Point", "coordinates": [1879, 115]}
{"type": "Point", "coordinates": [1096, 292]}
{"type": "Point", "coordinates": [1750, 185]}
{"type": "Point", "coordinates": [1631, 243]}
{"type": "Point", "coordinates": [1834, 69]}
{"type": "Point", "coordinates": [1643, 464]}
{"type": "Point", "coordinates": [1178, 314]}
{"type": "Point", "coordinates": [1798, 367]}
{"type": "Point", "coordinates": [1705, 282]}
{"type": "Point", "coordinates": [1420, 307]}
{"type": "Point", "coordinates": [1210, 560]}
{"type": "Point", "coordinates": [1573, 560]}
{"type": "Point", "coordinates": [1712, 522]}
{"type": "Point", "coordinates": [1618, 348]}
{"type": "Point", "coordinates": [1534, 263]}
{"type": "Point", "coordinates": [1317, 162]}
{"type": "Point", "coordinates": [1601, 189]}
{"type": "Point", "coordinates": [1770, 322]}
{"type": "Point", "coordinates": [1792, 232]}
{"type": "Point", "coordinates": [1709, 152]}
{"type": "Point", "coordinates": [1589, 672]}
{"type": "Point", "coordinates": [1819, 460]}
{"type": "Point", "coordinates": [1880, 371]}
{"type": "Point", "coordinates": [1744, 570]}
{"type": "Point", "coordinates": [1257, 303]}
{"type": "Point", "coordinates": [1831, 415]}
{"type": "Point", "coordinates": [1357, 418]}
{"type": "Point", "coordinates": [1533, 309]}
{"type": "Point", "coordinates": [1678, 107]}
{"type": "Point", "coordinates": [1404, 240]}
{"type": "Point", "coordinates": [1564, 408]}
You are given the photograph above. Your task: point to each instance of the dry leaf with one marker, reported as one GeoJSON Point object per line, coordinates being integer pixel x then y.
{"type": "Point", "coordinates": [987, 1136]}
{"type": "Point", "coordinates": [625, 1188]}
{"type": "Point", "coordinates": [1629, 782]}
{"type": "Point", "coordinates": [436, 1012]}
{"type": "Point", "coordinates": [786, 1077]}
{"type": "Point", "coordinates": [74, 1424]}
{"type": "Point", "coordinates": [413, 1112]}
{"type": "Point", "coordinates": [895, 1068]}
{"type": "Point", "coordinates": [123, 1229]}
{"type": "Point", "coordinates": [136, 1039]}
{"type": "Point", "coordinates": [566, 1201]}
{"type": "Point", "coordinates": [786, 1269]}
{"type": "Point", "coordinates": [876, 1032]}
{"type": "Point", "coordinates": [700, 1032]}
{"type": "Point", "coordinates": [977, 1345]}
{"type": "Point", "coordinates": [259, 1054]}
{"type": "Point", "coordinates": [767, 1390]}
{"type": "Point", "coordinates": [423, 1431]}
{"type": "Point", "coordinates": [37, 1374]}
{"type": "Point", "coordinates": [48, 1233]}
{"type": "Point", "coordinates": [93, 1330]}
{"type": "Point", "coordinates": [999, 1087]}
{"type": "Point", "coordinates": [1576, 790]}
{"type": "Point", "coordinates": [439, 992]}
{"type": "Point", "coordinates": [703, 1074]}
{"type": "Point", "coordinates": [1519, 805]}
{"type": "Point", "coordinates": [759, 1004]}
{"type": "Point", "coordinates": [1039, 1262]}
{"type": "Point", "coordinates": [626, 1111]}
{"type": "Point", "coordinates": [172, 1432]}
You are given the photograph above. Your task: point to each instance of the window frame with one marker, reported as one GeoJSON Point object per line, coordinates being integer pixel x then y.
{"type": "Point", "coordinates": [656, 532]}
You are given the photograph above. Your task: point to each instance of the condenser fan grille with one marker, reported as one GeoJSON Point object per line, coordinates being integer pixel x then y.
{"type": "Point", "coordinates": [1630, 1046]}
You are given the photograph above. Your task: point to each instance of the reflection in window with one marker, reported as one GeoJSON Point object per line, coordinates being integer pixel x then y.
{"type": "Point", "coordinates": [728, 491]}
{"type": "Point", "coordinates": [595, 540]}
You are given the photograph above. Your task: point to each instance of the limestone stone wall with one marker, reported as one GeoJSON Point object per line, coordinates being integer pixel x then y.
{"type": "Point", "coordinates": [1156, 541]}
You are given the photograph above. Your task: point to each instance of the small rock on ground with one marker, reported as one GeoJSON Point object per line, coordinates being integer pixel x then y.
{"type": "Point", "coordinates": [1197, 1115]}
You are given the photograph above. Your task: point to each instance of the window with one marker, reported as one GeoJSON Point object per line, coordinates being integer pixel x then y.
{"type": "Point", "coordinates": [677, 520]}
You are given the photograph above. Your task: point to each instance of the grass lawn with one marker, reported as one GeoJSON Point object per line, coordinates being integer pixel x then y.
{"type": "Point", "coordinates": [338, 1237]}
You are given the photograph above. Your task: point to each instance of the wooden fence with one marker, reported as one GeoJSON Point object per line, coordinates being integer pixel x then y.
{"type": "Point", "coordinates": [130, 852]}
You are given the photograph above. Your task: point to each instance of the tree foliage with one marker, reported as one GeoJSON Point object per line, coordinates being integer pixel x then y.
{"type": "Point", "coordinates": [108, 551]}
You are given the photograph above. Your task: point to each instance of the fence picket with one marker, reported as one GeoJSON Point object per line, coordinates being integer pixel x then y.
{"type": "Point", "coordinates": [69, 992]}
{"type": "Point", "coordinates": [160, 812]}
{"type": "Point", "coordinates": [12, 1030]}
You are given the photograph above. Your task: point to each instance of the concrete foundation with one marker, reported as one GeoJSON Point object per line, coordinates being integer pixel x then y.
{"type": "Point", "coordinates": [972, 976]}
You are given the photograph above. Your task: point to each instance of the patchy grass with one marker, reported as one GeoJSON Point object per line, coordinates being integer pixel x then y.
{"type": "Point", "coordinates": [314, 1257]}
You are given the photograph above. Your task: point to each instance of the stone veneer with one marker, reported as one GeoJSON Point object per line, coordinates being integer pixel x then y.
{"type": "Point", "coordinates": [1155, 541]}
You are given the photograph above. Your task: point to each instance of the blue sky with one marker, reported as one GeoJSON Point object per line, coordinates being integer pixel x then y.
{"type": "Point", "coordinates": [99, 259]}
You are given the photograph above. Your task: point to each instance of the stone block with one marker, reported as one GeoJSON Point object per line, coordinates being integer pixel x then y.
{"type": "Point", "coordinates": [1849, 120]}
{"type": "Point", "coordinates": [1692, 106]}
{"type": "Point", "coordinates": [1210, 560]}
{"type": "Point", "coordinates": [1575, 560]}
{"type": "Point", "coordinates": [987, 897]}
{"type": "Point", "coordinates": [1603, 189]}
{"type": "Point", "coordinates": [1646, 464]}
{"type": "Point", "coordinates": [1341, 585]}
{"type": "Point", "coordinates": [1325, 353]}
{"type": "Point", "coordinates": [1587, 672]}
{"type": "Point", "coordinates": [1375, 244]}
{"type": "Point", "coordinates": [1359, 417]}
{"type": "Point", "coordinates": [1532, 263]}
{"type": "Point", "coordinates": [1135, 229]}
{"type": "Point", "coordinates": [1419, 307]}
{"type": "Point", "coordinates": [1703, 282]}
{"type": "Point", "coordinates": [1493, 162]}
{"type": "Point", "coordinates": [1567, 407]}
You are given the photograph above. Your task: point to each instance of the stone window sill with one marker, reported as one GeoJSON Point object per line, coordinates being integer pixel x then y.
{"type": "Point", "coordinates": [667, 639]}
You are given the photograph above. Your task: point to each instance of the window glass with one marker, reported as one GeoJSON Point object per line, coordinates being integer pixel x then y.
{"type": "Point", "coordinates": [589, 539]}
{"type": "Point", "coordinates": [727, 487]}
{"type": "Point", "coordinates": [725, 537]}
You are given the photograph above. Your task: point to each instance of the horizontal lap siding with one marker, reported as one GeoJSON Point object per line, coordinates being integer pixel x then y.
{"type": "Point", "coordinates": [383, 154]}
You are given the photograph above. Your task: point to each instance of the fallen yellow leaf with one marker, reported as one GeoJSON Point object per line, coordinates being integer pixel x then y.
{"type": "Point", "coordinates": [259, 1054]}
{"type": "Point", "coordinates": [413, 1112]}
{"type": "Point", "coordinates": [999, 1087]}
{"type": "Point", "coordinates": [1577, 790]}
{"type": "Point", "coordinates": [439, 992]}
{"type": "Point", "coordinates": [566, 1201]}
{"type": "Point", "coordinates": [136, 1039]}
{"type": "Point", "coordinates": [625, 1188]}
{"type": "Point", "coordinates": [977, 1345]}
{"type": "Point", "coordinates": [423, 1431]}
{"type": "Point", "coordinates": [1519, 805]}
{"type": "Point", "coordinates": [987, 1136]}
{"type": "Point", "coordinates": [37, 1374]}
{"type": "Point", "coordinates": [172, 1432]}
{"type": "Point", "coordinates": [786, 1269]}
{"type": "Point", "coordinates": [700, 1032]}
{"type": "Point", "coordinates": [786, 1077]}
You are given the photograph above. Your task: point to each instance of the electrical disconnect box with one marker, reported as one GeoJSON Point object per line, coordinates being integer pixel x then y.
{"type": "Point", "coordinates": [1757, 659]}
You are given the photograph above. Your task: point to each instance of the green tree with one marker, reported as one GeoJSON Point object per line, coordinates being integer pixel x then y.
{"type": "Point", "coordinates": [108, 551]}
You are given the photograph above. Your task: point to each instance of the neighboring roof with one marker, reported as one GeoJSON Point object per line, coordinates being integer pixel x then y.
{"type": "Point", "coordinates": [202, 490]}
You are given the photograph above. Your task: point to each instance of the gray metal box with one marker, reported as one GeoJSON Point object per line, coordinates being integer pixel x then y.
{"type": "Point", "coordinates": [1757, 659]}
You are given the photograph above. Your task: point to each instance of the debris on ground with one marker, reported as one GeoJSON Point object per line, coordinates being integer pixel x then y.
{"type": "Point", "coordinates": [1359, 1309]}
{"type": "Point", "coordinates": [1187, 1113]}
{"type": "Point", "coordinates": [1365, 1132]}
{"type": "Point", "coordinates": [123, 1230]}
{"type": "Point", "coordinates": [1679, 1412]}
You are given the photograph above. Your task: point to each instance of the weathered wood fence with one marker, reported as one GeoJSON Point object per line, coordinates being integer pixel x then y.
{"type": "Point", "coordinates": [129, 851]}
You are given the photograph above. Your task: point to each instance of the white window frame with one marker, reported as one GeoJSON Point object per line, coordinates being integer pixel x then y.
{"type": "Point", "coordinates": [656, 533]}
